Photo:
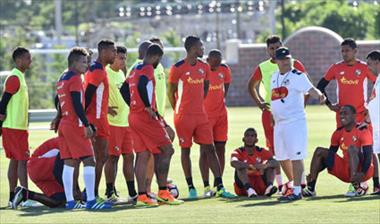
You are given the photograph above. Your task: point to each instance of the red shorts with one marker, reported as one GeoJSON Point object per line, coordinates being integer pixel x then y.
{"type": "Point", "coordinates": [219, 127]}
{"type": "Point", "coordinates": [15, 143]}
{"type": "Point", "coordinates": [50, 188]}
{"type": "Point", "coordinates": [266, 119]}
{"type": "Point", "coordinates": [72, 142]}
{"type": "Point", "coordinates": [120, 141]}
{"type": "Point", "coordinates": [189, 126]}
{"type": "Point", "coordinates": [102, 127]}
{"type": "Point", "coordinates": [256, 182]}
{"type": "Point", "coordinates": [147, 133]}
{"type": "Point", "coordinates": [341, 170]}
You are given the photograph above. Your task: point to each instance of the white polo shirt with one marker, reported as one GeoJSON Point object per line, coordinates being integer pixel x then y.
{"type": "Point", "coordinates": [288, 91]}
{"type": "Point", "coordinates": [374, 113]}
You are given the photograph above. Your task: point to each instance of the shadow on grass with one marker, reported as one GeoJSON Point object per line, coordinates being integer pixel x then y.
{"type": "Point", "coordinates": [263, 203]}
{"type": "Point", "coordinates": [38, 211]}
{"type": "Point", "coordinates": [240, 199]}
{"type": "Point", "coordinates": [327, 197]}
{"type": "Point", "coordinates": [365, 198]}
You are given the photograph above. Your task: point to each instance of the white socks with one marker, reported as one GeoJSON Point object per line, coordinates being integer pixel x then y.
{"type": "Point", "coordinates": [68, 179]}
{"type": "Point", "coordinates": [251, 192]}
{"type": "Point", "coordinates": [303, 179]}
{"type": "Point", "coordinates": [297, 190]}
{"type": "Point", "coordinates": [89, 181]}
{"type": "Point", "coordinates": [279, 179]}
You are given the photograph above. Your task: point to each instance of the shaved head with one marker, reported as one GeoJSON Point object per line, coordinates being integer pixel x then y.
{"type": "Point", "coordinates": [143, 47]}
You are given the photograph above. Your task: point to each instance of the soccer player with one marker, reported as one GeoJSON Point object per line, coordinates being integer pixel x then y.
{"type": "Point", "coordinates": [75, 131]}
{"type": "Point", "coordinates": [261, 78]}
{"type": "Point", "coordinates": [188, 85]}
{"type": "Point", "coordinates": [289, 87]}
{"type": "Point", "coordinates": [254, 168]}
{"type": "Point", "coordinates": [373, 61]}
{"type": "Point", "coordinates": [120, 139]}
{"type": "Point", "coordinates": [97, 94]}
{"type": "Point", "coordinates": [148, 128]}
{"type": "Point", "coordinates": [351, 76]}
{"type": "Point", "coordinates": [220, 79]}
{"type": "Point", "coordinates": [355, 166]}
{"type": "Point", "coordinates": [14, 107]}
{"type": "Point", "coordinates": [45, 170]}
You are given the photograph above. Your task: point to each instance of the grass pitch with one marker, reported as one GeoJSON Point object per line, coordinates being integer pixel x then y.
{"type": "Point", "coordinates": [330, 206]}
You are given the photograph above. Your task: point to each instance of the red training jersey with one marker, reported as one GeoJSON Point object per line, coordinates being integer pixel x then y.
{"type": "Point", "coordinates": [69, 82]}
{"type": "Point", "coordinates": [260, 155]}
{"type": "Point", "coordinates": [351, 83]}
{"type": "Point", "coordinates": [214, 101]}
{"type": "Point", "coordinates": [356, 137]}
{"type": "Point", "coordinates": [97, 76]}
{"type": "Point", "coordinates": [190, 80]}
{"type": "Point", "coordinates": [137, 105]}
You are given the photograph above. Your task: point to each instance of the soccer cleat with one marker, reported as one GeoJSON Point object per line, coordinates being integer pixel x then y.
{"type": "Point", "coordinates": [74, 205]}
{"type": "Point", "coordinates": [270, 190]}
{"type": "Point", "coordinates": [306, 192]}
{"type": "Point", "coordinates": [376, 191]}
{"type": "Point", "coordinates": [208, 193]}
{"type": "Point", "coordinates": [10, 204]}
{"type": "Point", "coordinates": [251, 193]}
{"type": "Point", "coordinates": [290, 197]}
{"type": "Point", "coordinates": [98, 205]}
{"type": "Point", "coordinates": [20, 196]}
{"type": "Point", "coordinates": [113, 198]}
{"type": "Point", "coordinates": [152, 196]}
{"type": "Point", "coordinates": [351, 192]}
{"type": "Point", "coordinates": [30, 204]}
{"type": "Point", "coordinates": [132, 199]}
{"type": "Point", "coordinates": [164, 196]}
{"type": "Point", "coordinates": [193, 193]}
{"type": "Point", "coordinates": [144, 201]}
{"type": "Point", "coordinates": [359, 190]}
{"type": "Point", "coordinates": [222, 193]}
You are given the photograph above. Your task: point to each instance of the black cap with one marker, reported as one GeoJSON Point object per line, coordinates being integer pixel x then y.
{"type": "Point", "coordinates": [282, 53]}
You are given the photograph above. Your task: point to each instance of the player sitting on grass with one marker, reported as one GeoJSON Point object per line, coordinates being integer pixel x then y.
{"type": "Point", "coordinates": [356, 164]}
{"type": "Point", "coordinates": [45, 170]}
{"type": "Point", "coordinates": [254, 168]}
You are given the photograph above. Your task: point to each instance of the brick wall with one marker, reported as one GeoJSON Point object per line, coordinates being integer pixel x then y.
{"type": "Point", "coordinates": [316, 47]}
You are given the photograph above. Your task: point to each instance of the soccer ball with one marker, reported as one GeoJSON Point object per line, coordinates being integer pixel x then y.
{"type": "Point", "coordinates": [173, 190]}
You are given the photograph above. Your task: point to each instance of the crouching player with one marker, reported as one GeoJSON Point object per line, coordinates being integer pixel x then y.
{"type": "Point", "coordinates": [45, 170]}
{"type": "Point", "coordinates": [254, 168]}
{"type": "Point", "coordinates": [356, 164]}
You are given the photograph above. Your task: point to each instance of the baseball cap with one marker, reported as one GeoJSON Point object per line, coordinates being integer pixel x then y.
{"type": "Point", "coordinates": [282, 53]}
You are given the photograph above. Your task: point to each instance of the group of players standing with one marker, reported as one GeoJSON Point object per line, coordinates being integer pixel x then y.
{"type": "Point", "coordinates": [105, 111]}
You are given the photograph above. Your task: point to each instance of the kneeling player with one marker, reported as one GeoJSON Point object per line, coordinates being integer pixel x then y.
{"type": "Point", "coordinates": [355, 166]}
{"type": "Point", "coordinates": [45, 170]}
{"type": "Point", "coordinates": [148, 128]}
{"type": "Point", "coordinates": [254, 168]}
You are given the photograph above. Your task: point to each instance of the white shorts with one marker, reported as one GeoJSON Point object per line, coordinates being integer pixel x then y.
{"type": "Point", "coordinates": [290, 140]}
{"type": "Point", "coordinates": [376, 141]}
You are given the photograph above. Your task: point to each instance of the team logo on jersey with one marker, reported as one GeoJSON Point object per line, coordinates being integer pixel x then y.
{"type": "Point", "coordinates": [354, 138]}
{"type": "Point", "coordinates": [117, 148]}
{"type": "Point", "coordinates": [221, 75]}
{"type": "Point", "coordinates": [341, 73]}
{"type": "Point", "coordinates": [279, 93]}
{"type": "Point", "coordinates": [286, 82]}
{"type": "Point", "coordinates": [358, 72]}
{"type": "Point", "coordinates": [187, 73]}
{"type": "Point", "coordinates": [201, 71]}
{"type": "Point", "coordinates": [181, 140]}
{"type": "Point", "coordinates": [258, 159]}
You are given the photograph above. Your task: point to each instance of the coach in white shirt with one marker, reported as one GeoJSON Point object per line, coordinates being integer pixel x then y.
{"type": "Point", "coordinates": [289, 86]}
{"type": "Point", "coordinates": [373, 61]}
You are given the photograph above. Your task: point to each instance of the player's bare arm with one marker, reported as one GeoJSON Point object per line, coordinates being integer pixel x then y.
{"type": "Point", "coordinates": [172, 89]}
{"type": "Point", "coordinates": [252, 89]}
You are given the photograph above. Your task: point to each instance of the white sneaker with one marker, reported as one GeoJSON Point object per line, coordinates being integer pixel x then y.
{"type": "Point", "coordinates": [270, 190]}
{"type": "Point", "coordinates": [30, 204]}
{"type": "Point", "coordinates": [132, 200]}
{"type": "Point", "coordinates": [251, 193]}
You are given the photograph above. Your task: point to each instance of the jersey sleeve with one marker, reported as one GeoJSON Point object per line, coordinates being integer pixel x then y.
{"type": "Point", "coordinates": [227, 78]}
{"type": "Point", "coordinates": [335, 138]}
{"type": "Point", "coordinates": [12, 84]}
{"type": "Point", "coordinates": [96, 77]}
{"type": "Point", "coordinates": [303, 83]}
{"type": "Point", "coordinates": [365, 138]}
{"type": "Point", "coordinates": [76, 84]}
{"type": "Point", "coordinates": [299, 66]}
{"type": "Point", "coordinates": [370, 75]}
{"type": "Point", "coordinates": [174, 75]}
{"type": "Point", "coordinates": [256, 75]}
{"type": "Point", "coordinates": [235, 156]}
{"type": "Point", "coordinates": [330, 74]}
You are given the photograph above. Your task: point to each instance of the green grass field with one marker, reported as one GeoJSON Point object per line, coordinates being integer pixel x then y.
{"type": "Point", "coordinates": [330, 206]}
